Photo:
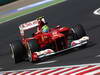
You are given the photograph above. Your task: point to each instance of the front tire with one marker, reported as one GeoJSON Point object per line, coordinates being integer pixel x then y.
{"type": "Point", "coordinates": [78, 31]}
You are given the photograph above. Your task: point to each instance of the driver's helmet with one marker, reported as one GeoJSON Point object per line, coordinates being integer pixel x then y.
{"type": "Point", "coordinates": [45, 28]}
{"type": "Point", "coordinates": [39, 18]}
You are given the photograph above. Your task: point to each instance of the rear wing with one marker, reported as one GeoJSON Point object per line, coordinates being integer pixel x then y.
{"type": "Point", "coordinates": [29, 25]}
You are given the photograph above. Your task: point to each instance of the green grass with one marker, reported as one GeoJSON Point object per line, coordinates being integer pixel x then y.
{"type": "Point", "coordinates": [21, 13]}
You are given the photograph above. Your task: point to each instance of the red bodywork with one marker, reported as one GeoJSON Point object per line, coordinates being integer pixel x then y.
{"type": "Point", "coordinates": [56, 37]}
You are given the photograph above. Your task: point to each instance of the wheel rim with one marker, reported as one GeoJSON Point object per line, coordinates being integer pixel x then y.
{"type": "Point", "coordinates": [29, 54]}
{"type": "Point", "coordinates": [12, 51]}
{"type": "Point", "coordinates": [73, 30]}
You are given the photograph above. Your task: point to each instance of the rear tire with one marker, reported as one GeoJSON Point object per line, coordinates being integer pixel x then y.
{"type": "Point", "coordinates": [18, 51]}
{"type": "Point", "coordinates": [32, 47]}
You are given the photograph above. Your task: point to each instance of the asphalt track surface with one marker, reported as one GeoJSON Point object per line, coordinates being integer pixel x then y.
{"type": "Point", "coordinates": [66, 13]}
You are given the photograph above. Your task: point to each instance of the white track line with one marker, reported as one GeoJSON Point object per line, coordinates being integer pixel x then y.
{"type": "Point", "coordinates": [34, 5]}
{"type": "Point", "coordinates": [47, 62]}
{"type": "Point", "coordinates": [97, 12]}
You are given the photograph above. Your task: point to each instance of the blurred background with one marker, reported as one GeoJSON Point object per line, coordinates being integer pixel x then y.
{"type": "Point", "coordinates": [3, 2]}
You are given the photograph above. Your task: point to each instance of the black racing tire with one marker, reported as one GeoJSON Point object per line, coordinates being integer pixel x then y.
{"type": "Point", "coordinates": [78, 31]}
{"type": "Point", "coordinates": [33, 46]}
{"type": "Point", "coordinates": [18, 51]}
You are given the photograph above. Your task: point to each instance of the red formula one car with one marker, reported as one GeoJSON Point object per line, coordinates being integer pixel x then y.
{"type": "Point", "coordinates": [42, 44]}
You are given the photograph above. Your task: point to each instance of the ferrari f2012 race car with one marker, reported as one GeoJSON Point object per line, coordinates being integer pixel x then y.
{"type": "Point", "coordinates": [42, 44]}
